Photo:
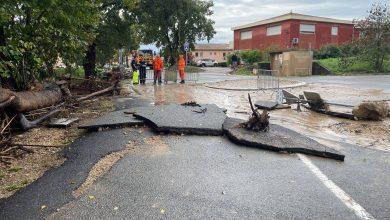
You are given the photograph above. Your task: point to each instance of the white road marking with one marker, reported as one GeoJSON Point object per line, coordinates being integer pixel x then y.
{"type": "Point", "coordinates": [337, 191]}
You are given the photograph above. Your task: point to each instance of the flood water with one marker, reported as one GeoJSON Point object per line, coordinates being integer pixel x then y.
{"type": "Point", "coordinates": [321, 127]}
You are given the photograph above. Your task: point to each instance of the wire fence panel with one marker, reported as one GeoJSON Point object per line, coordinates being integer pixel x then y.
{"type": "Point", "coordinates": [267, 79]}
{"type": "Point", "coordinates": [191, 77]}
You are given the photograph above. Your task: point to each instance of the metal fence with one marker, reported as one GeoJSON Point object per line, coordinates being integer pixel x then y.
{"type": "Point", "coordinates": [172, 74]}
{"type": "Point", "coordinates": [267, 79]}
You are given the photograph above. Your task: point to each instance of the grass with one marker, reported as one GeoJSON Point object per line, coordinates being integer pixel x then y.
{"type": "Point", "coordinates": [75, 72]}
{"type": "Point", "coordinates": [17, 186]}
{"type": "Point", "coordinates": [243, 71]}
{"type": "Point", "coordinates": [14, 169]}
{"type": "Point", "coordinates": [358, 67]}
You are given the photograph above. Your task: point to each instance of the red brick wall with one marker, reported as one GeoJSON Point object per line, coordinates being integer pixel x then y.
{"type": "Point", "coordinates": [290, 29]}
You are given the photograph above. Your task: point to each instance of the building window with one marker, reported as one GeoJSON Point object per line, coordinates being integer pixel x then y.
{"type": "Point", "coordinates": [224, 56]}
{"type": "Point", "coordinates": [215, 53]}
{"type": "Point", "coordinates": [274, 30]}
{"type": "Point", "coordinates": [211, 53]}
{"type": "Point", "coordinates": [246, 35]}
{"type": "Point", "coordinates": [201, 54]}
{"type": "Point", "coordinates": [196, 54]}
{"type": "Point", "coordinates": [307, 28]}
{"type": "Point", "coordinates": [335, 30]}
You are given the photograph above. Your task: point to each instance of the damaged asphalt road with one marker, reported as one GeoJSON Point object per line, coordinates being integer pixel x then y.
{"type": "Point", "coordinates": [206, 177]}
{"type": "Point", "coordinates": [202, 177]}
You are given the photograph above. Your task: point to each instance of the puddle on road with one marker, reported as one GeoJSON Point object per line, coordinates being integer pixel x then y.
{"type": "Point", "coordinates": [320, 127]}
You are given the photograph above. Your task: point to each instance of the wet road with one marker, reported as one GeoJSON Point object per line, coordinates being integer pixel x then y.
{"type": "Point", "coordinates": [357, 82]}
{"type": "Point", "coordinates": [202, 177]}
{"type": "Point", "coordinates": [197, 177]}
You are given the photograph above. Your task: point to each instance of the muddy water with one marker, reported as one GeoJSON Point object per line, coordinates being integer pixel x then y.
{"type": "Point", "coordinates": [322, 128]}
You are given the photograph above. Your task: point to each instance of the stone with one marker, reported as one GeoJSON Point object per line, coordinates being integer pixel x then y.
{"type": "Point", "coordinates": [62, 122]}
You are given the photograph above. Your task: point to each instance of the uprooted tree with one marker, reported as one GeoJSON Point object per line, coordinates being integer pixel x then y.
{"type": "Point", "coordinates": [257, 121]}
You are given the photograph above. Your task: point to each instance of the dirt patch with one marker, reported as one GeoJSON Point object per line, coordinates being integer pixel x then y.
{"type": "Point", "coordinates": [159, 148]}
{"type": "Point", "coordinates": [25, 168]}
{"type": "Point", "coordinates": [367, 134]}
{"type": "Point", "coordinates": [103, 166]}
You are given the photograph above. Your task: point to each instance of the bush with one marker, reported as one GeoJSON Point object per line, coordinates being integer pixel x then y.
{"type": "Point", "coordinates": [222, 64]}
{"type": "Point", "coordinates": [229, 59]}
{"type": "Point", "coordinates": [348, 55]}
{"type": "Point", "coordinates": [251, 56]}
{"type": "Point", "coordinates": [329, 51]}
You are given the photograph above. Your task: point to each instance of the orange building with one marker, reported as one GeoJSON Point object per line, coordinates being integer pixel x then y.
{"type": "Point", "coordinates": [217, 52]}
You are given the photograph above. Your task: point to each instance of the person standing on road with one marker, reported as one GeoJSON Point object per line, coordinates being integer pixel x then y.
{"type": "Point", "coordinates": [142, 71]}
{"type": "Point", "coordinates": [133, 64]}
{"type": "Point", "coordinates": [234, 60]}
{"type": "Point", "coordinates": [181, 67]}
{"type": "Point", "coordinates": [157, 68]}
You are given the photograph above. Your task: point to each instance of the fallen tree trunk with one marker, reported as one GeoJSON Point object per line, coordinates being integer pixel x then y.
{"type": "Point", "coordinates": [27, 101]}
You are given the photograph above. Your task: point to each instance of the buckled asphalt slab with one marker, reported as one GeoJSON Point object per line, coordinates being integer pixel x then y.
{"type": "Point", "coordinates": [113, 119]}
{"type": "Point", "coordinates": [205, 119]}
{"type": "Point", "coordinates": [268, 105]}
{"type": "Point", "coordinates": [278, 138]}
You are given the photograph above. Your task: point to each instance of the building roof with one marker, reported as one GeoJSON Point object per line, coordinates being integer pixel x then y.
{"type": "Point", "coordinates": [212, 47]}
{"type": "Point", "coordinates": [291, 16]}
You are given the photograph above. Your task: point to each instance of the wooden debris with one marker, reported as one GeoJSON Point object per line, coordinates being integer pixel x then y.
{"type": "Point", "coordinates": [257, 121]}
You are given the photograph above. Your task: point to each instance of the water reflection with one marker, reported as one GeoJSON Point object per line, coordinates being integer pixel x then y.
{"type": "Point", "coordinates": [159, 96]}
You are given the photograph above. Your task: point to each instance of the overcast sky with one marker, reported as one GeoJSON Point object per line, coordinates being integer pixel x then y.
{"type": "Point", "coordinates": [230, 13]}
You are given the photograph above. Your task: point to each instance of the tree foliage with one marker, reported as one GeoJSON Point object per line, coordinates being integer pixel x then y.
{"type": "Point", "coordinates": [117, 29]}
{"type": "Point", "coordinates": [375, 35]}
{"type": "Point", "coordinates": [171, 23]}
{"type": "Point", "coordinates": [327, 51]}
{"type": "Point", "coordinates": [251, 56]}
{"type": "Point", "coordinates": [33, 34]}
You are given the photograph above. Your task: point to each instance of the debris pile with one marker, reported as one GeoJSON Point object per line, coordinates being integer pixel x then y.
{"type": "Point", "coordinates": [372, 110]}
{"type": "Point", "coordinates": [257, 121]}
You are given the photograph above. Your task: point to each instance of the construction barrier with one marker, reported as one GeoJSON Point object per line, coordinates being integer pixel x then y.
{"type": "Point", "coordinates": [267, 79]}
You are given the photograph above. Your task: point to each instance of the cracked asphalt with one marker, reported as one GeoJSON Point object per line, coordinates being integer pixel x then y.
{"type": "Point", "coordinates": [205, 177]}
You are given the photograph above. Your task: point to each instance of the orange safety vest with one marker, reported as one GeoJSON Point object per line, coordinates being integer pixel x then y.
{"type": "Point", "coordinates": [181, 64]}
{"type": "Point", "coordinates": [158, 64]}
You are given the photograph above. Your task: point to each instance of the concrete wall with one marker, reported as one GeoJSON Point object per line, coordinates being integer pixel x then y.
{"type": "Point", "coordinates": [292, 63]}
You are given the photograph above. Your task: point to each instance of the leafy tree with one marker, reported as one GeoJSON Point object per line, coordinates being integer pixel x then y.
{"type": "Point", "coordinates": [117, 29]}
{"type": "Point", "coordinates": [171, 23]}
{"type": "Point", "coordinates": [34, 33]}
{"type": "Point", "coordinates": [375, 35]}
{"type": "Point", "coordinates": [348, 55]}
{"type": "Point", "coordinates": [328, 51]}
{"type": "Point", "coordinates": [251, 56]}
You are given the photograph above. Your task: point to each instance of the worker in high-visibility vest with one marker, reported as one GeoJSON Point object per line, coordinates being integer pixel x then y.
{"type": "Point", "coordinates": [181, 67]}
{"type": "Point", "coordinates": [158, 66]}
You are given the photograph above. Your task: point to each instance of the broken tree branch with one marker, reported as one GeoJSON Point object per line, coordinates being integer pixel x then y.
{"type": "Point", "coordinates": [26, 124]}
{"type": "Point", "coordinates": [108, 89]}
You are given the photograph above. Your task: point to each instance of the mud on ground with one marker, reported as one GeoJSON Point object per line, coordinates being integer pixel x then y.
{"type": "Point", "coordinates": [318, 126]}
{"type": "Point", "coordinates": [28, 167]}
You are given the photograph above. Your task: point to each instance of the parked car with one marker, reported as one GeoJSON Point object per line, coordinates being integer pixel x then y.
{"type": "Point", "coordinates": [206, 62]}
